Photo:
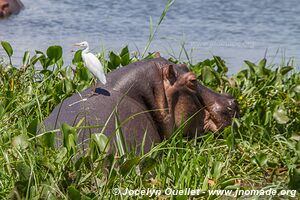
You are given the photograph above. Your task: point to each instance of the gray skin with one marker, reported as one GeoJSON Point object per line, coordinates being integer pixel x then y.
{"type": "Point", "coordinates": [9, 7]}
{"type": "Point", "coordinates": [167, 94]}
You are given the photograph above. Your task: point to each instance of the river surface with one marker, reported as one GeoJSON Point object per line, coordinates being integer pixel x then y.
{"type": "Point", "coordinates": [234, 30]}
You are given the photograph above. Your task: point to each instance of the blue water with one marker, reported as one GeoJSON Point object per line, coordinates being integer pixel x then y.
{"type": "Point", "coordinates": [234, 30]}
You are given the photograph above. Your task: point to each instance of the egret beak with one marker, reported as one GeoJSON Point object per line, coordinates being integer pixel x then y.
{"type": "Point", "coordinates": [77, 44]}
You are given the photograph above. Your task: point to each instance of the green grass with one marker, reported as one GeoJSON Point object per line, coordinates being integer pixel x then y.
{"type": "Point", "coordinates": [260, 151]}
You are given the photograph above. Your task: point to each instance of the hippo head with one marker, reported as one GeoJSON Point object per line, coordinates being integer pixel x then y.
{"type": "Point", "coordinates": [8, 7]}
{"type": "Point", "coordinates": [206, 109]}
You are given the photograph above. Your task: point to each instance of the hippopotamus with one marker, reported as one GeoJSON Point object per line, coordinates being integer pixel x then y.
{"type": "Point", "coordinates": [150, 98]}
{"type": "Point", "coordinates": [8, 7]}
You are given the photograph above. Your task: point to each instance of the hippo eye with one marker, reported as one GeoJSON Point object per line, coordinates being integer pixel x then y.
{"type": "Point", "coordinates": [192, 84]}
{"type": "Point", "coordinates": [193, 81]}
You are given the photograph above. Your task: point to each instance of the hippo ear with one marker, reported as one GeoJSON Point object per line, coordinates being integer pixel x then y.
{"type": "Point", "coordinates": [169, 73]}
{"type": "Point", "coordinates": [182, 65]}
{"type": "Point", "coordinates": [157, 55]}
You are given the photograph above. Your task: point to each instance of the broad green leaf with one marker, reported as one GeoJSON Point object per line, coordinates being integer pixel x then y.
{"type": "Point", "coordinates": [125, 59]}
{"type": "Point", "coordinates": [128, 165]}
{"type": "Point", "coordinates": [272, 164]}
{"type": "Point", "coordinates": [26, 58]}
{"type": "Point", "coordinates": [83, 73]}
{"type": "Point", "coordinates": [48, 139]}
{"type": "Point", "coordinates": [7, 47]}
{"type": "Point", "coordinates": [36, 58]}
{"type": "Point", "coordinates": [251, 66]}
{"type": "Point", "coordinates": [78, 163]}
{"type": "Point", "coordinates": [71, 144]}
{"type": "Point", "coordinates": [147, 164]}
{"type": "Point", "coordinates": [59, 87]}
{"type": "Point", "coordinates": [60, 62]}
{"type": "Point", "coordinates": [262, 63]}
{"type": "Point", "coordinates": [61, 156]}
{"type": "Point", "coordinates": [285, 70]}
{"type": "Point", "coordinates": [124, 51]}
{"type": "Point", "coordinates": [217, 169]}
{"type": "Point", "coordinates": [54, 53]}
{"type": "Point", "coordinates": [101, 141]}
{"type": "Point", "coordinates": [32, 128]}
{"type": "Point", "coordinates": [220, 64]}
{"type": "Point", "coordinates": [294, 182]}
{"type": "Point", "coordinates": [207, 75]}
{"type": "Point", "coordinates": [114, 60]}
{"type": "Point", "coordinates": [68, 86]}
{"type": "Point", "coordinates": [207, 62]}
{"type": "Point", "coordinates": [125, 56]}
{"type": "Point", "coordinates": [24, 171]}
{"type": "Point", "coordinates": [262, 67]}
{"type": "Point", "coordinates": [261, 159]}
{"type": "Point", "coordinates": [230, 140]}
{"type": "Point", "coordinates": [73, 193]}
{"type": "Point", "coordinates": [77, 57]}
{"type": "Point", "coordinates": [69, 136]}
{"type": "Point", "coordinates": [46, 62]}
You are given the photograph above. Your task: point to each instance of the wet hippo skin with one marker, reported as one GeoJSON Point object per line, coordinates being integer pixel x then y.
{"type": "Point", "coordinates": [165, 93]}
{"type": "Point", "coordinates": [96, 110]}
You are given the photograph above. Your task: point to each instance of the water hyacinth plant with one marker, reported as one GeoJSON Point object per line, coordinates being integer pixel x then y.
{"type": "Point", "coordinates": [261, 149]}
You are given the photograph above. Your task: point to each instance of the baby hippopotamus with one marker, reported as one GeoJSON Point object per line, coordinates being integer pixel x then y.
{"type": "Point", "coordinates": [150, 99]}
{"type": "Point", "coordinates": [9, 7]}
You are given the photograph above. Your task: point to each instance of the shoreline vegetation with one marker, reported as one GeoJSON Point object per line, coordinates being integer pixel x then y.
{"type": "Point", "coordinates": [260, 151]}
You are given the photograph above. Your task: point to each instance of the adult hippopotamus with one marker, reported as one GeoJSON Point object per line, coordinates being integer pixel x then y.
{"type": "Point", "coordinates": [152, 98]}
{"type": "Point", "coordinates": [8, 7]}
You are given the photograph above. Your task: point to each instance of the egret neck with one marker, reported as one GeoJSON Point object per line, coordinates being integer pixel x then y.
{"type": "Point", "coordinates": [85, 50]}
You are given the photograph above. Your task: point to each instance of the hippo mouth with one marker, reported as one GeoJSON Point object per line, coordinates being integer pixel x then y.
{"type": "Point", "coordinates": [214, 123]}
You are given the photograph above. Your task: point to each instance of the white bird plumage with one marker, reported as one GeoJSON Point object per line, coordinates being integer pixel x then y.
{"type": "Point", "coordinates": [92, 62]}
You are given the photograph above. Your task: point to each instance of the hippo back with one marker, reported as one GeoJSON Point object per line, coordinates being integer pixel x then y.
{"type": "Point", "coordinates": [97, 110]}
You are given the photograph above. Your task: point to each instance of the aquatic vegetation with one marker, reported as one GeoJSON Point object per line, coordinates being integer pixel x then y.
{"type": "Point", "coordinates": [260, 150]}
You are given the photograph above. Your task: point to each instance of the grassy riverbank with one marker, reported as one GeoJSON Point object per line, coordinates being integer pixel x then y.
{"type": "Point", "coordinates": [262, 151]}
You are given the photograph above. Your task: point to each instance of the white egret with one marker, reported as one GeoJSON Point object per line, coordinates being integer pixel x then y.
{"type": "Point", "coordinates": [92, 62]}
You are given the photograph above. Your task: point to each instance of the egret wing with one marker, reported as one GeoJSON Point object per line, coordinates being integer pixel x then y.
{"type": "Point", "coordinates": [95, 66]}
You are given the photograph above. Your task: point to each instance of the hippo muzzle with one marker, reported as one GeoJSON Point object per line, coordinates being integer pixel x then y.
{"type": "Point", "coordinates": [219, 112]}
